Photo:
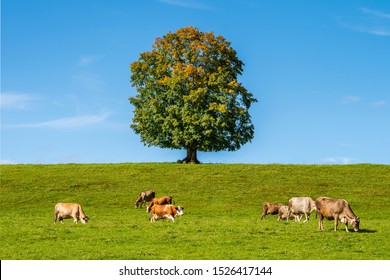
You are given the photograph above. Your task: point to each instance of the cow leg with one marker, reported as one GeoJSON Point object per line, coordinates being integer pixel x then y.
{"type": "Point", "coordinates": [320, 223]}
{"type": "Point", "coordinates": [307, 216]}
{"type": "Point", "coordinates": [346, 227]}
{"type": "Point", "coordinates": [336, 221]}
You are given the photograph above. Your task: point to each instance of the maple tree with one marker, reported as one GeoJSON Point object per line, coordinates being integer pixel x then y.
{"type": "Point", "coordinates": [189, 96]}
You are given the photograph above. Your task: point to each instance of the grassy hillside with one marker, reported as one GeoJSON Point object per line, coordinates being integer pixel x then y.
{"type": "Point", "coordinates": [222, 204]}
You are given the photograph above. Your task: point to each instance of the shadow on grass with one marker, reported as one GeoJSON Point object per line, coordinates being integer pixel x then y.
{"type": "Point", "coordinates": [366, 231]}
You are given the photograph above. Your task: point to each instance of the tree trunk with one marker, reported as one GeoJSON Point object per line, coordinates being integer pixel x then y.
{"type": "Point", "coordinates": [191, 157]}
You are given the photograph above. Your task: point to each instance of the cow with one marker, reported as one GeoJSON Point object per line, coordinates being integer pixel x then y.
{"type": "Point", "coordinates": [69, 210]}
{"type": "Point", "coordinates": [270, 208]}
{"type": "Point", "coordinates": [144, 197]}
{"type": "Point", "coordinates": [284, 214]}
{"type": "Point", "coordinates": [162, 200]}
{"type": "Point", "coordinates": [301, 205]}
{"type": "Point", "coordinates": [167, 211]}
{"type": "Point", "coordinates": [336, 209]}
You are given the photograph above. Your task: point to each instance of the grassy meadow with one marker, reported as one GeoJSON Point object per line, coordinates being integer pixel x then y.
{"type": "Point", "coordinates": [222, 210]}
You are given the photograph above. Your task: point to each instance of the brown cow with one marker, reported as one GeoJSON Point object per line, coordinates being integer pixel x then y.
{"type": "Point", "coordinates": [167, 211]}
{"type": "Point", "coordinates": [143, 198]}
{"type": "Point", "coordinates": [162, 200]}
{"type": "Point", "coordinates": [270, 208]}
{"type": "Point", "coordinates": [336, 209]}
{"type": "Point", "coordinates": [301, 205]}
{"type": "Point", "coordinates": [284, 214]}
{"type": "Point", "coordinates": [69, 210]}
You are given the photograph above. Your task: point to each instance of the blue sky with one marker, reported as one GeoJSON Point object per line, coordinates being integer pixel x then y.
{"type": "Point", "coordinates": [320, 70]}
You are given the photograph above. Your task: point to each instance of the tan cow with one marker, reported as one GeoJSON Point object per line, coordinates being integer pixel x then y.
{"type": "Point", "coordinates": [143, 198]}
{"type": "Point", "coordinates": [162, 200]}
{"type": "Point", "coordinates": [301, 205]}
{"type": "Point", "coordinates": [69, 210]}
{"type": "Point", "coordinates": [167, 211]}
{"type": "Point", "coordinates": [270, 208]}
{"type": "Point", "coordinates": [336, 209]}
{"type": "Point", "coordinates": [284, 214]}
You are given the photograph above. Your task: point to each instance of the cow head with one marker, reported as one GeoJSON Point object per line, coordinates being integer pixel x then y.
{"type": "Point", "coordinates": [84, 220]}
{"type": "Point", "coordinates": [179, 210]}
{"type": "Point", "coordinates": [355, 223]}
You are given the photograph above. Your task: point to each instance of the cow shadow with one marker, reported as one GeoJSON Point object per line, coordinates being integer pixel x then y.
{"type": "Point", "coordinates": [364, 230]}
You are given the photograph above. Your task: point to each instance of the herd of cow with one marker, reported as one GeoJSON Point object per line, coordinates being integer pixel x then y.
{"type": "Point", "coordinates": [162, 207]}
{"type": "Point", "coordinates": [159, 207]}
{"type": "Point", "coordinates": [329, 208]}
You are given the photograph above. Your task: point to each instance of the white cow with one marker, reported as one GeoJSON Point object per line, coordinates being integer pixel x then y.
{"type": "Point", "coordinates": [301, 205]}
{"type": "Point", "coordinates": [284, 214]}
{"type": "Point", "coordinates": [69, 210]}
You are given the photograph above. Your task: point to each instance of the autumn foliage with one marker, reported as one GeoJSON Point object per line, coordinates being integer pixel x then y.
{"type": "Point", "coordinates": [189, 96]}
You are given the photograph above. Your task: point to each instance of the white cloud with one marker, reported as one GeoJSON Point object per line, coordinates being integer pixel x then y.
{"type": "Point", "coordinates": [88, 81]}
{"type": "Point", "coordinates": [351, 99]}
{"type": "Point", "coordinates": [379, 103]}
{"type": "Point", "coordinates": [18, 101]}
{"type": "Point", "coordinates": [375, 13]}
{"type": "Point", "coordinates": [338, 160]}
{"type": "Point", "coordinates": [71, 122]}
{"type": "Point", "coordinates": [86, 60]}
{"type": "Point", "coordinates": [6, 161]}
{"type": "Point", "coordinates": [374, 22]}
{"type": "Point", "coordinates": [186, 4]}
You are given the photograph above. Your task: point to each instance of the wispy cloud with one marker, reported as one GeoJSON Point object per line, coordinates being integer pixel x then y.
{"type": "Point", "coordinates": [18, 101]}
{"type": "Point", "coordinates": [350, 99]}
{"type": "Point", "coordinates": [86, 60]}
{"type": "Point", "coordinates": [71, 122]}
{"type": "Point", "coordinates": [374, 22]}
{"type": "Point", "coordinates": [338, 160]}
{"type": "Point", "coordinates": [379, 103]}
{"type": "Point", "coordinates": [7, 161]}
{"type": "Point", "coordinates": [88, 81]}
{"type": "Point", "coordinates": [186, 4]}
{"type": "Point", "coordinates": [375, 13]}
{"type": "Point", "coordinates": [377, 31]}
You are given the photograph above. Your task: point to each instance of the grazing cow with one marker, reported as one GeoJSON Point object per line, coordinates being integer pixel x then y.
{"type": "Point", "coordinates": [284, 214]}
{"type": "Point", "coordinates": [336, 209]}
{"type": "Point", "coordinates": [162, 200]}
{"type": "Point", "coordinates": [270, 208]}
{"type": "Point", "coordinates": [301, 205]}
{"type": "Point", "coordinates": [69, 210]}
{"type": "Point", "coordinates": [144, 197]}
{"type": "Point", "coordinates": [167, 211]}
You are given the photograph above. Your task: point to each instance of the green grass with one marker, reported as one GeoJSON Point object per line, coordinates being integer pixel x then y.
{"type": "Point", "coordinates": [223, 205]}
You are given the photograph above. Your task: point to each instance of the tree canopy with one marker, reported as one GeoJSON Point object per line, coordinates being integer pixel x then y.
{"type": "Point", "coordinates": [189, 96]}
